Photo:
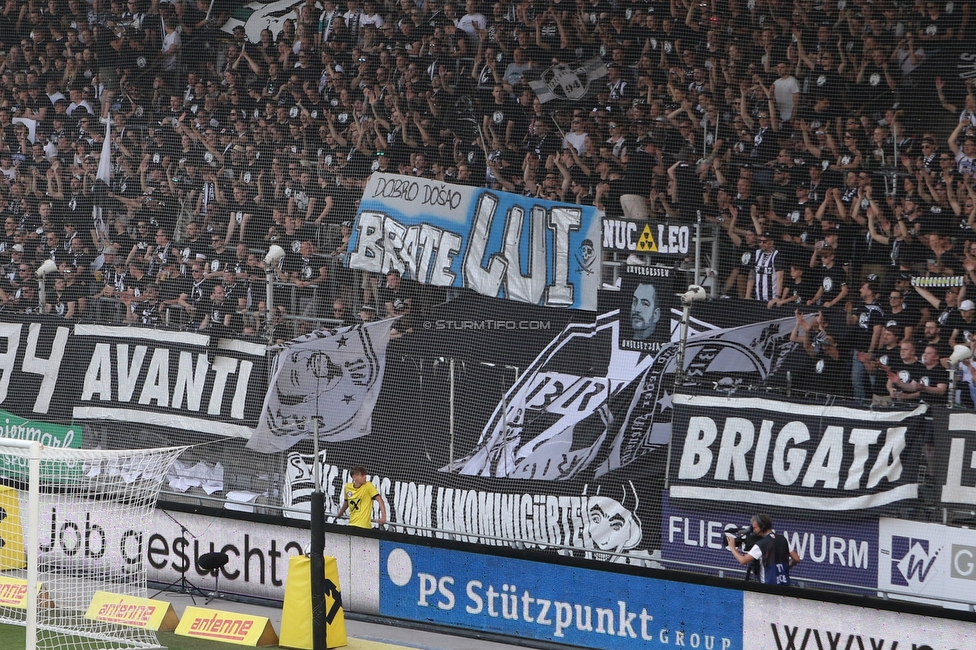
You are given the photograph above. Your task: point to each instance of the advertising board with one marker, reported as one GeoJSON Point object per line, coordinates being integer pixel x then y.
{"type": "Point", "coordinates": [838, 552]}
{"type": "Point", "coordinates": [549, 602]}
{"type": "Point", "coordinates": [922, 562]}
{"type": "Point", "coordinates": [782, 623]}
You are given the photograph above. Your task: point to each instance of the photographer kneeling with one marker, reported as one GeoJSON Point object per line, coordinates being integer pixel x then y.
{"type": "Point", "coordinates": [770, 552]}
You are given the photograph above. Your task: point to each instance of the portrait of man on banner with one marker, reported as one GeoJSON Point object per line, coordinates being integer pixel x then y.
{"type": "Point", "coordinates": [646, 298]}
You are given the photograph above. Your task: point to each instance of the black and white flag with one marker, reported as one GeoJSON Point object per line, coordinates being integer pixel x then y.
{"type": "Point", "coordinates": [552, 424]}
{"type": "Point", "coordinates": [326, 381]}
{"type": "Point", "coordinates": [755, 449]}
{"type": "Point", "coordinates": [568, 82]}
{"type": "Point", "coordinates": [103, 174]}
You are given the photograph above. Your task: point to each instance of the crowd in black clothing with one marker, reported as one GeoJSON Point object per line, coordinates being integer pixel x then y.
{"type": "Point", "coordinates": [794, 128]}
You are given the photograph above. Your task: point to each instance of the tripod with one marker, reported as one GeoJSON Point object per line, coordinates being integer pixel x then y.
{"type": "Point", "coordinates": [183, 585]}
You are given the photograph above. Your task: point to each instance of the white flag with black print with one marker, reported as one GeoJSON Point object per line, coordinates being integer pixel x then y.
{"type": "Point", "coordinates": [103, 174]}
{"type": "Point", "coordinates": [326, 381]}
{"type": "Point", "coordinates": [566, 82]}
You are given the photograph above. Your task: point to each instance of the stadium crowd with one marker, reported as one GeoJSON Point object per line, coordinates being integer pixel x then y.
{"type": "Point", "coordinates": [795, 129]}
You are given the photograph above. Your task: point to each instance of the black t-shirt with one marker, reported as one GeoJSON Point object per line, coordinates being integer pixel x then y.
{"type": "Point", "coordinates": [689, 191]}
{"type": "Point", "coordinates": [904, 318]}
{"type": "Point", "coordinates": [745, 255]}
{"type": "Point", "coordinates": [814, 118]}
{"type": "Point", "coordinates": [190, 248]}
{"type": "Point", "coordinates": [744, 205]}
{"type": "Point", "coordinates": [916, 303]}
{"type": "Point", "coordinates": [307, 269]}
{"type": "Point", "coordinates": [874, 252]}
{"type": "Point", "coordinates": [76, 207]}
{"type": "Point", "coordinates": [806, 372]}
{"type": "Point", "coordinates": [217, 311]}
{"type": "Point", "coordinates": [544, 146]}
{"type": "Point", "coordinates": [831, 280]}
{"type": "Point", "coordinates": [967, 329]}
{"type": "Point", "coordinates": [76, 291]}
{"type": "Point", "coordinates": [886, 358]}
{"type": "Point", "coordinates": [147, 311]}
{"type": "Point", "coordinates": [399, 298]}
{"type": "Point", "coordinates": [108, 56]}
{"type": "Point", "coordinates": [874, 80]}
{"type": "Point", "coordinates": [937, 29]}
{"type": "Point", "coordinates": [764, 146]}
{"type": "Point", "coordinates": [936, 217]}
{"type": "Point", "coordinates": [640, 173]}
{"type": "Point", "coordinates": [616, 189]}
{"type": "Point", "coordinates": [803, 290]}
{"type": "Point", "coordinates": [137, 285]}
{"type": "Point", "coordinates": [932, 377]}
{"type": "Point", "coordinates": [234, 292]}
{"type": "Point", "coordinates": [220, 261]}
{"type": "Point", "coordinates": [868, 317]}
{"type": "Point", "coordinates": [907, 372]}
{"type": "Point", "coordinates": [171, 288]}
{"type": "Point", "coordinates": [501, 114]}
{"type": "Point", "coordinates": [198, 292]}
{"type": "Point", "coordinates": [783, 199]}
{"type": "Point", "coordinates": [59, 303]}
{"type": "Point", "coordinates": [237, 212]}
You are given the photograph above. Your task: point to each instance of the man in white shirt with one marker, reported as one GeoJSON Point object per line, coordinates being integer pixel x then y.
{"type": "Point", "coordinates": [472, 22]}
{"type": "Point", "coordinates": [786, 90]}
{"type": "Point", "coordinates": [966, 154]}
{"type": "Point", "coordinates": [78, 101]}
{"type": "Point", "coordinates": [7, 168]}
{"type": "Point", "coordinates": [513, 73]}
{"type": "Point", "coordinates": [171, 45]}
{"type": "Point", "coordinates": [369, 15]}
{"type": "Point", "coordinates": [576, 138]}
{"type": "Point", "coordinates": [51, 88]}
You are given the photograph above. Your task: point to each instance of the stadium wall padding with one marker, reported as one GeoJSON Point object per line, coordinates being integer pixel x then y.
{"type": "Point", "coordinates": [450, 584]}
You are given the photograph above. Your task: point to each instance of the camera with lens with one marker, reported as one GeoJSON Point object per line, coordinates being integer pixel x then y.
{"type": "Point", "coordinates": [744, 536]}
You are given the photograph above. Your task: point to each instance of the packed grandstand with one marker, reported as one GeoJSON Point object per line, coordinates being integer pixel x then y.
{"type": "Point", "coordinates": [209, 172]}
{"type": "Point", "coordinates": [828, 146]}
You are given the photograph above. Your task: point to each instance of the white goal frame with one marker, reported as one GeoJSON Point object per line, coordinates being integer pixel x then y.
{"type": "Point", "coordinates": [108, 485]}
{"type": "Point", "coordinates": [33, 529]}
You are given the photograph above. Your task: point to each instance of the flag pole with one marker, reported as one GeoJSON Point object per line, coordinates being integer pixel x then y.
{"type": "Point", "coordinates": [552, 117]}
{"type": "Point", "coordinates": [316, 553]}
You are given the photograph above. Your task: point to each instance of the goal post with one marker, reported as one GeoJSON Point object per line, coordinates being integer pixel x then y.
{"type": "Point", "coordinates": [73, 522]}
{"type": "Point", "coordinates": [33, 451]}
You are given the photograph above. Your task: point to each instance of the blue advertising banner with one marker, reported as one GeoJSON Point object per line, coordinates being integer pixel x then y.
{"type": "Point", "coordinates": [562, 604]}
{"type": "Point", "coordinates": [844, 553]}
{"type": "Point", "coordinates": [499, 244]}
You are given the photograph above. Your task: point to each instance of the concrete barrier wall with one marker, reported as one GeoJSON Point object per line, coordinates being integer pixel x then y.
{"type": "Point", "coordinates": [259, 555]}
{"type": "Point", "coordinates": [556, 600]}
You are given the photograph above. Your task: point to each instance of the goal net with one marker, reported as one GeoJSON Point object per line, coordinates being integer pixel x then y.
{"type": "Point", "coordinates": [73, 522]}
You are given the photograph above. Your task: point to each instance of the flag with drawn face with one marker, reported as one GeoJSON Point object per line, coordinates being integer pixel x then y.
{"type": "Point", "coordinates": [326, 381]}
{"type": "Point", "coordinates": [554, 421]}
